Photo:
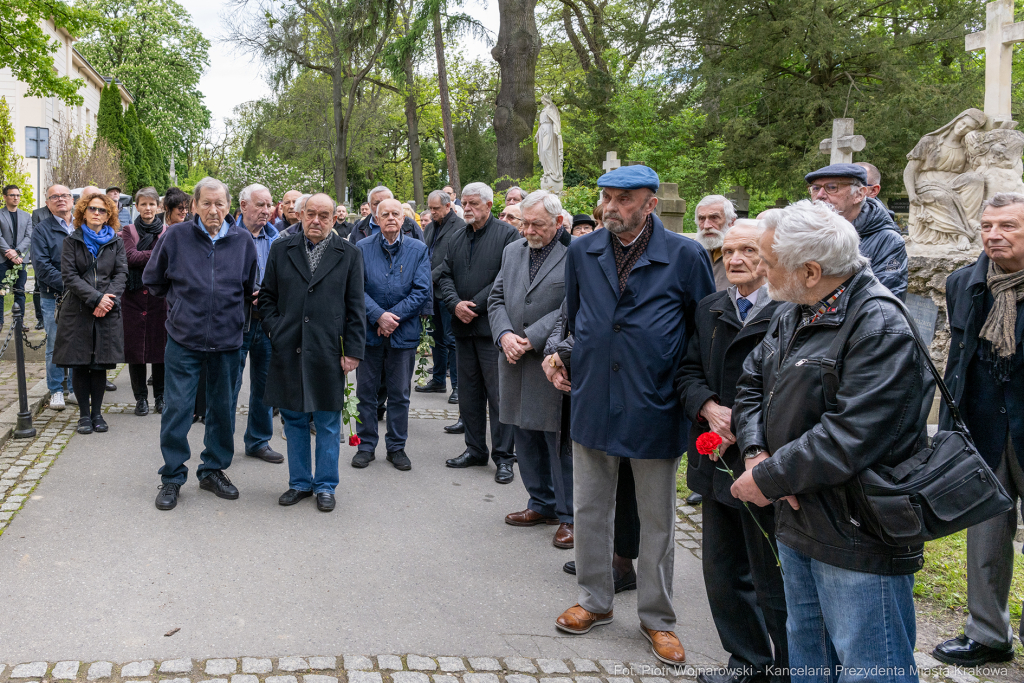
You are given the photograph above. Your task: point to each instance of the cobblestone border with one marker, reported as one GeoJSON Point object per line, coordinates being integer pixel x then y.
{"type": "Point", "coordinates": [23, 462]}
{"type": "Point", "coordinates": [415, 413]}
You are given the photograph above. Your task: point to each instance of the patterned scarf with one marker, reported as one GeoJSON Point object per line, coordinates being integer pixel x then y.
{"type": "Point", "coordinates": [315, 252]}
{"type": "Point", "coordinates": [810, 314]}
{"type": "Point", "coordinates": [626, 257]}
{"type": "Point", "coordinates": [539, 256]}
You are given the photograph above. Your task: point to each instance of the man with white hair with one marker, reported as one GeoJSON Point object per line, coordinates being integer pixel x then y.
{"type": "Point", "coordinates": [805, 440]}
{"type": "Point", "coordinates": [714, 215]}
{"type": "Point", "coordinates": [255, 204]}
{"type": "Point", "coordinates": [514, 195]}
{"type": "Point", "coordinates": [368, 225]}
{"type": "Point", "coordinates": [470, 266]}
{"type": "Point", "coordinates": [206, 268]}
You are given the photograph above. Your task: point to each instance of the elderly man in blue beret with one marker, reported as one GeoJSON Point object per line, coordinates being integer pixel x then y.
{"type": "Point", "coordinates": [845, 187]}
{"type": "Point", "coordinates": [631, 293]}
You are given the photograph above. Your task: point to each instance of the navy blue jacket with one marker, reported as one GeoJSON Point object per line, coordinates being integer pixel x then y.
{"type": "Point", "coordinates": [629, 347]}
{"type": "Point", "coordinates": [400, 285]}
{"type": "Point", "coordinates": [46, 249]}
{"type": "Point", "coordinates": [883, 245]}
{"type": "Point", "coordinates": [991, 409]}
{"type": "Point", "coordinates": [208, 285]}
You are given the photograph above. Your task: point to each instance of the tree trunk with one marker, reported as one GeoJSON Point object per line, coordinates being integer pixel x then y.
{"type": "Point", "coordinates": [446, 107]}
{"type": "Point", "coordinates": [413, 124]}
{"type": "Point", "coordinates": [340, 145]}
{"type": "Point", "coordinates": [516, 108]}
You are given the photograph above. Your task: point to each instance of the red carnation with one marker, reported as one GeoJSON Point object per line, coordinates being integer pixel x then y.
{"type": "Point", "coordinates": [708, 443]}
{"type": "Point", "coordinates": [354, 440]}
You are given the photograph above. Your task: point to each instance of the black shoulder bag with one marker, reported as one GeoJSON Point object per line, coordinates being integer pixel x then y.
{"type": "Point", "coordinates": [936, 492]}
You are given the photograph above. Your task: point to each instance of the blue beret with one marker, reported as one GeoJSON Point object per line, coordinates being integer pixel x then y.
{"type": "Point", "coordinates": [630, 178]}
{"type": "Point", "coordinates": [839, 171]}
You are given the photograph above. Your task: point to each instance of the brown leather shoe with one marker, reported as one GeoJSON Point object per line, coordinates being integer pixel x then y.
{"type": "Point", "coordinates": [563, 537]}
{"type": "Point", "coordinates": [528, 518]}
{"type": "Point", "coordinates": [578, 621]}
{"type": "Point", "coordinates": [665, 646]}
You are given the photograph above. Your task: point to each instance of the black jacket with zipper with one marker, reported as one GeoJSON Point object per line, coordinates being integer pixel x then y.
{"type": "Point", "coordinates": [884, 396]}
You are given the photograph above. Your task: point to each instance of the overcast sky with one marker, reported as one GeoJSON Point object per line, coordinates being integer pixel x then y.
{"type": "Point", "coordinates": [233, 78]}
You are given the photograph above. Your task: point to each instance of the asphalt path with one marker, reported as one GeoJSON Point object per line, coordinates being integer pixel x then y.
{"type": "Point", "coordinates": [409, 562]}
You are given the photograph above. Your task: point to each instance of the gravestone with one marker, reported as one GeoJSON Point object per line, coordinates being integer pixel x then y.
{"type": "Point", "coordinates": [611, 162]}
{"type": "Point", "coordinates": [781, 203]}
{"type": "Point", "coordinates": [671, 207]}
{"type": "Point", "coordinates": [924, 312]}
{"type": "Point", "coordinates": [737, 194]}
{"type": "Point", "coordinates": [843, 142]}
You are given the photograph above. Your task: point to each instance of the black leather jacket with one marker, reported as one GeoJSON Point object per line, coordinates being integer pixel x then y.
{"type": "Point", "coordinates": [884, 395]}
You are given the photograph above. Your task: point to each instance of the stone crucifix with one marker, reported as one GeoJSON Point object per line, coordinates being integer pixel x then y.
{"type": "Point", "coordinates": [843, 142]}
{"type": "Point", "coordinates": [997, 41]}
{"type": "Point", "coordinates": [611, 162]}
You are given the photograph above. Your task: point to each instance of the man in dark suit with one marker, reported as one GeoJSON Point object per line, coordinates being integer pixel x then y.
{"type": "Point", "coordinates": [38, 216]}
{"type": "Point", "coordinates": [313, 310]}
{"type": "Point", "coordinates": [15, 238]}
{"type": "Point", "coordinates": [743, 582]}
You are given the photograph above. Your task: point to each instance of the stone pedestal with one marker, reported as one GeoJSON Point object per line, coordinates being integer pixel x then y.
{"type": "Point", "coordinates": [671, 207]}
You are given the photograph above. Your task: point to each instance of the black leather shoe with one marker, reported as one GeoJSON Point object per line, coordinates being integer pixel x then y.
{"type": "Point", "coordinates": [694, 499]}
{"type": "Point", "coordinates": [325, 502]}
{"type": "Point", "coordinates": [267, 454]}
{"type": "Point", "coordinates": [363, 458]}
{"type": "Point", "coordinates": [218, 482]}
{"type": "Point", "coordinates": [381, 412]}
{"type": "Point", "coordinates": [569, 567]}
{"type": "Point", "coordinates": [400, 460]}
{"type": "Point", "coordinates": [467, 459]}
{"type": "Point", "coordinates": [454, 398]}
{"type": "Point", "coordinates": [99, 424]}
{"type": "Point", "coordinates": [168, 496]}
{"type": "Point", "coordinates": [504, 475]}
{"type": "Point", "coordinates": [85, 425]}
{"type": "Point", "coordinates": [962, 651]}
{"type": "Point", "coordinates": [142, 407]}
{"type": "Point", "coordinates": [432, 387]}
{"type": "Point", "coordinates": [111, 386]}
{"type": "Point", "coordinates": [292, 496]}
{"type": "Point", "coordinates": [625, 582]}
{"type": "Point", "coordinates": [726, 676]}
{"type": "Point", "coordinates": [40, 325]}
{"type": "Point", "coordinates": [159, 405]}
{"type": "Point", "coordinates": [457, 428]}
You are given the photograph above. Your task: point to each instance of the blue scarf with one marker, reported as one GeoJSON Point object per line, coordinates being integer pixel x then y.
{"type": "Point", "coordinates": [95, 240]}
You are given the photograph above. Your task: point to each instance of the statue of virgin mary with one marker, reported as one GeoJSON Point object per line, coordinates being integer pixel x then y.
{"type": "Point", "coordinates": [549, 145]}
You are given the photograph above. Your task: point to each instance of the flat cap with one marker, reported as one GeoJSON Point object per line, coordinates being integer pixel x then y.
{"type": "Point", "coordinates": [839, 171]}
{"type": "Point", "coordinates": [631, 178]}
{"type": "Point", "coordinates": [113, 187]}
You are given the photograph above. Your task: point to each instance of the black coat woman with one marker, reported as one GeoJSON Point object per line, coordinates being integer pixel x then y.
{"type": "Point", "coordinates": [90, 335]}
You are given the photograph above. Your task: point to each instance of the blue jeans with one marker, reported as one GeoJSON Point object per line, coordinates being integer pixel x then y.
{"type": "Point", "coordinates": [444, 345]}
{"type": "Point", "coordinates": [259, 427]}
{"type": "Point", "coordinates": [397, 366]}
{"type": "Point", "coordinates": [19, 285]}
{"type": "Point", "coordinates": [845, 625]}
{"type": "Point", "coordinates": [54, 375]}
{"type": "Point", "coordinates": [328, 445]}
{"type": "Point", "coordinates": [181, 381]}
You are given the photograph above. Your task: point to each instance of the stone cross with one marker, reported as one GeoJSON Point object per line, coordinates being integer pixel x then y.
{"type": "Point", "coordinates": [843, 142]}
{"type": "Point", "coordinates": [997, 41]}
{"type": "Point", "coordinates": [611, 162]}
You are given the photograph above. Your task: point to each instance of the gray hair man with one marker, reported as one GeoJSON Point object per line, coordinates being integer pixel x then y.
{"type": "Point", "coordinates": [985, 373]}
{"type": "Point", "coordinates": [513, 215]}
{"type": "Point", "coordinates": [471, 264]}
{"type": "Point", "coordinates": [524, 305]}
{"type": "Point", "coordinates": [255, 204]}
{"type": "Point", "coordinates": [805, 454]}
{"type": "Point", "coordinates": [368, 226]}
{"type": "Point", "coordinates": [714, 215]}
{"type": "Point", "coordinates": [844, 187]}
{"type": "Point", "coordinates": [206, 269]}
{"type": "Point", "coordinates": [514, 195]}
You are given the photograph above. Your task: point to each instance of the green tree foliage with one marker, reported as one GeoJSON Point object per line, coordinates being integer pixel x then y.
{"type": "Point", "coordinates": [140, 157]}
{"type": "Point", "coordinates": [153, 48]}
{"type": "Point", "coordinates": [12, 171]}
{"type": "Point", "coordinates": [110, 125]}
{"type": "Point", "coordinates": [158, 166]}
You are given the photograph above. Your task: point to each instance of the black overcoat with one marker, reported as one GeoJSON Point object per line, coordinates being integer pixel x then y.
{"type": "Point", "coordinates": [308, 316]}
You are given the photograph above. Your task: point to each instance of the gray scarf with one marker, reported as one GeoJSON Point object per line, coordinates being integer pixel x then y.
{"type": "Point", "coordinates": [1000, 325]}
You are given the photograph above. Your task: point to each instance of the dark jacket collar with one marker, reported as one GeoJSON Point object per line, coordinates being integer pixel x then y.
{"type": "Point", "coordinates": [657, 247]}
{"type": "Point", "coordinates": [979, 273]}
{"type": "Point", "coordinates": [470, 231]}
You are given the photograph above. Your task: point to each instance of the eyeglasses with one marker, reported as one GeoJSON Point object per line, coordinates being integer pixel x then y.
{"type": "Point", "coordinates": [831, 188]}
{"type": "Point", "coordinates": [57, 197]}
{"type": "Point", "coordinates": [99, 210]}
{"type": "Point", "coordinates": [11, 195]}
{"type": "Point", "coordinates": [510, 217]}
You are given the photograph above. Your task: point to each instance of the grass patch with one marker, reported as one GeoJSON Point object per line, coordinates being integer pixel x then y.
{"type": "Point", "coordinates": [681, 489]}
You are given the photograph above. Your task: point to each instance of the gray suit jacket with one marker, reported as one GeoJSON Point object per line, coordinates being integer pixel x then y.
{"type": "Point", "coordinates": [7, 231]}
{"type": "Point", "coordinates": [526, 398]}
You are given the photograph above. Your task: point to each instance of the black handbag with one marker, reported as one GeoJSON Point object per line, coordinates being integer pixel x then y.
{"type": "Point", "coordinates": [936, 492]}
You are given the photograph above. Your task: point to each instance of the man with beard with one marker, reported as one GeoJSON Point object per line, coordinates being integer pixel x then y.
{"type": "Point", "coordinates": [715, 215]}
{"type": "Point", "coordinates": [631, 294]}
{"type": "Point", "coordinates": [844, 186]}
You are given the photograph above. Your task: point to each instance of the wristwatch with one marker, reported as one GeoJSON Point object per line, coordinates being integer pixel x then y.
{"type": "Point", "coordinates": [753, 452]}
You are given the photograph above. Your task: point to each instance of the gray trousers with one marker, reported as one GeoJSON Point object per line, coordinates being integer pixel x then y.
{"type": "Point", "coordinates": [990, 563]}
{"type": "Point", "coordinates": [595, 475]}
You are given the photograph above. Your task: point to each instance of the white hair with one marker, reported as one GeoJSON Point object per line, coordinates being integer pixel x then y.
{"type": "Point", "coordinates": [458, 210]}
{"type": "Point", "coordinates": [211, 183]}
{"type": "Point", "coordinates": [813, 231]}
{"type": "Point", "coordinates": [300, 203]}
{"type": "Point", "coordinates": [566, 218]}
{"type": "Point", "coordinates": [378, 190]}
{"type": "Point", "coordinates": [521, 191]}
{"type": "Point", "coordinates": [717, 200]}
{"type": "Point", "coordinates": [441, 196]}
{"type": "Point", "coordinates": [549, 201]}
{"type": "Point", "coordinates": [481, 190]}
{"type": "Point", "coordinates": [1001, 199]}
{"type": "Point", "coordinates": [246, 193]}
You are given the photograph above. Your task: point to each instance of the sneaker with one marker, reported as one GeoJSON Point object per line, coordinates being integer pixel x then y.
{"type": "Point", "coordinates": [399, 459]}
{"type": "Point", "coordinates": [362, 458]}
{"type": "Point", "coordinates": [57, 400]}
{"type": "Point", "coordinates": [70, 399]}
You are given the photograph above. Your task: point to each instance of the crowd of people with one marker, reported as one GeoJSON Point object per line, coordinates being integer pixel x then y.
{"type": "Point", "coordinates": [599, 349]}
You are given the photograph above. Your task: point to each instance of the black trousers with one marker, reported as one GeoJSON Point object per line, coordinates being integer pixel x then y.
{"type": "Point", "coordinates": [744, 585]}
{"type": "Point", "coordinates": [627, 517]}
{"type": "Point", "coordinates": [137, 373]}
{"type": "Point", "coordinates": [477, 359]}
